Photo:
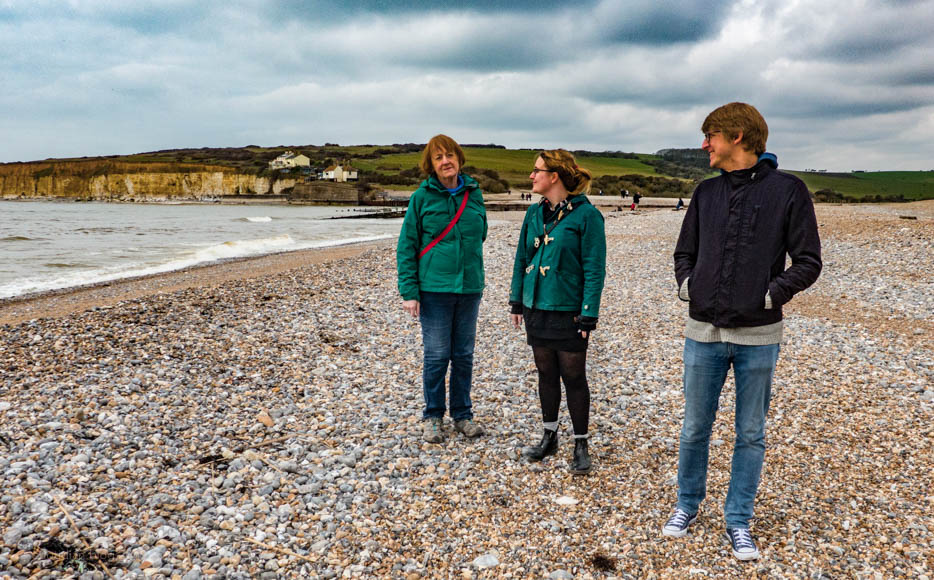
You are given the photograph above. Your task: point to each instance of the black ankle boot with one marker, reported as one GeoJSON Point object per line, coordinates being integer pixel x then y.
{"type": "Point", "coordinates": [580, 465]}
{"type": "Point", "coordinates": [548, 446]}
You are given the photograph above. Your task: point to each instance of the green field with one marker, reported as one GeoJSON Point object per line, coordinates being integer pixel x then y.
{"type": "Point", "coordinates": [511, 164]}
{"type": "Point", "coordinates": [911, 185]}
{"type": "Point", "coordinates": [514, 165]}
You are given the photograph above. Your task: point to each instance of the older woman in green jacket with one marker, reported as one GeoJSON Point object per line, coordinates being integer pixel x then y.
{"type": "Point", "coordinates": [557, 281]}
{"type": "Point", "coordinates": [439, 259]}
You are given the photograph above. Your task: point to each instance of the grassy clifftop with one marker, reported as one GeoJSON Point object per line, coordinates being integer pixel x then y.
{"type": "Point", "coordinates": [395, 166]}
{"type": "Point", "coordinates": [870, 186]}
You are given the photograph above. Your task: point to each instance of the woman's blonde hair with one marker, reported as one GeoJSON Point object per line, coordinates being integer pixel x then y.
{"type": "Point", "coordinates": [440, 142]}
{"type": "Point", "coordinates": [575, 179]}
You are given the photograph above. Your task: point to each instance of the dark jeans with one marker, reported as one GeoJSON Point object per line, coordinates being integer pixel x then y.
{"type": "Point", "coordinates": [449, 328]}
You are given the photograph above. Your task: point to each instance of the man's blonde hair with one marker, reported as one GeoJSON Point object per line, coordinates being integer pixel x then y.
{"type": "Point", "coordinates": [735, 118]}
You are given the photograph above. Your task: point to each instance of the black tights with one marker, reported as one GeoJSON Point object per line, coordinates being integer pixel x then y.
{"type": "Point", "coordinates": [553, 367]}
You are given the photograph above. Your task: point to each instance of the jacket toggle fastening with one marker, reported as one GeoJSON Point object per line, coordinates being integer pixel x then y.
{"type": "Point", "coordinates": [543, 238]}
{"type": "Point", "coordinates": [543, 269]}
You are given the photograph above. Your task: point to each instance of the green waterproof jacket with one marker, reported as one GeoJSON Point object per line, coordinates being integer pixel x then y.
{"type": "Point", "coordinates": [566, 271]}
{"type": "Point", "coordinates": [455, 264]}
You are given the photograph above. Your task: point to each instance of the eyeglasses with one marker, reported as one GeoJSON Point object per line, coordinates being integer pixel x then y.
{"type": "Point", "coordinates": [536, 170]}
{"type": "Point", "coordinates": [709, 136]}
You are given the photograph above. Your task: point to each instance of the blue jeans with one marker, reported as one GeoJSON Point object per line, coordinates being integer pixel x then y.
{"type": "Point", "coordinates": [705, 368]}
{"type": "Point", "coordinates": [449, 327]}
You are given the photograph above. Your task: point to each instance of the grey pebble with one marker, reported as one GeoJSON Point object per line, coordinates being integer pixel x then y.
{"type": "Point", "coordinates": [485, 561]}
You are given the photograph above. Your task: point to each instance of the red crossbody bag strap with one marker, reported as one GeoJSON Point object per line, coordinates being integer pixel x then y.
{"type": "Point", "coordinates": [457, 216]}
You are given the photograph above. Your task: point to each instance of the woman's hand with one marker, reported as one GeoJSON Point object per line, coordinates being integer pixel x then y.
{"type": "Point", "coordinates": [516, 319]}
{"type": "Point", "coordinates": [411, 307]}
{"type": "Point", "coordinates": [585, 325]}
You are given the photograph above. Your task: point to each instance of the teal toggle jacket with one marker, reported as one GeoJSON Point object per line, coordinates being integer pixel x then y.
{"type": "Point", "coordinates": [566, 270]}
{"type": "Point", "coordinates": [455, 264]}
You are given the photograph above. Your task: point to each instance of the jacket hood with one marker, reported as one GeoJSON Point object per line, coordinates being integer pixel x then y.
{"type": "Point", "coordinates": [769, 158]}
{"type": "Point", "coordinates": [433, 183]}
{"type": "Point", "coordinates": [766, 158]}
{"type": "Point", "coordinates": [767, 162]}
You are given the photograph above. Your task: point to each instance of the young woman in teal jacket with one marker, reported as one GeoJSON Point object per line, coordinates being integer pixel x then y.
{"type": "Point", "coordinates": [439, 260]}
{"type": "Point", "coordinates": [557, 281]}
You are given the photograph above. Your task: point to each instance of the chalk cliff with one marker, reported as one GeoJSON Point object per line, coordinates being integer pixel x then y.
{"type": "Point", "coordinates": [117, 181]}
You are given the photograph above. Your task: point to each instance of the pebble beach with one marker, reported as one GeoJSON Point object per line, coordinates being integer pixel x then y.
{"type": "Point", "coordinates": [260, 419]}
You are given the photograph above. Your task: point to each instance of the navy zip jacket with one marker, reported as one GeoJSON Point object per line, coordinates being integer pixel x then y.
{"type": "Point", "coordinates": [736, 233]}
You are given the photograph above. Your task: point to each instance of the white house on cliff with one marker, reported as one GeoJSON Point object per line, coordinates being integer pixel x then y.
{"type": "Point", "coordinates": [290, 159]}
{"type": "Point", "coordinates": [339, 173]}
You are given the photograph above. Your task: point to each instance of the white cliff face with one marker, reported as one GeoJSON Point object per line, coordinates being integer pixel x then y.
{"type": "Point", "coordinates": [25, 181]}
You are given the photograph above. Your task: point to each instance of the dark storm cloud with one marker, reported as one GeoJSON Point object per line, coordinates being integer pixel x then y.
{"type": "Point", "coordinates": [875, 30]}
{"type": "Point", "coordinates": [320, 8]}
{"type": "Point", "coordinates": [657, 22]}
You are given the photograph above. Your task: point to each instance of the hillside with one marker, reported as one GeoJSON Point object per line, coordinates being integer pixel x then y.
{"type": "Point", "coordinates": [870, 187]}
{"type": "Point", "coordinates": [207, 173]}
{"type": "Point", "coordinates": [212, 172]}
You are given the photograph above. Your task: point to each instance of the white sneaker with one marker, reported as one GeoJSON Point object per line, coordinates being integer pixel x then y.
{"type": "Point", "coordinates": [741, 541]}
{"type": "Point", "coordinates": [677, 525]}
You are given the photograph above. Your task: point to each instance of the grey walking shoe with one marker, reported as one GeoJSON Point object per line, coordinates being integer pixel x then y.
{"type": "Point", "coordinates": [431, 430]}
{"type": "Point", "coordinates": [468, 427]}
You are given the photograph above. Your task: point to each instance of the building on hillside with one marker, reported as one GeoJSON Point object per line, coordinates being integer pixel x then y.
{"type": "Point", "coordinates": [339, 173]}
{"type": "Point", "coordinates": [289, 160]}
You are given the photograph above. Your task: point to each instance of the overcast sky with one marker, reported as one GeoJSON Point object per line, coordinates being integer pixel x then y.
{"type": "Point", "coordinates": [843, 84]}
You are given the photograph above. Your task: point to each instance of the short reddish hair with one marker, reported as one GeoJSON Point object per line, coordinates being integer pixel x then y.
{"type": "Point", "coordinates": [440, 142]}
{"type": "Point", "coordinates": [735, 118]}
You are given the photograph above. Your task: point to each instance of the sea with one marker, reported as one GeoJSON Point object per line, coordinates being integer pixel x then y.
{"type": "Point", "coordinates": [47, 245]}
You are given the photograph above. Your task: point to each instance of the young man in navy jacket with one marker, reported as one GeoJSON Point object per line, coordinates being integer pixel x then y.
{"type": "Point", "coordinates": [730, 266]}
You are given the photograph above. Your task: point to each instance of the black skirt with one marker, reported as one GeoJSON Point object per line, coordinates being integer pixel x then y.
{"type": "Point", "coordinates": [553, 329]}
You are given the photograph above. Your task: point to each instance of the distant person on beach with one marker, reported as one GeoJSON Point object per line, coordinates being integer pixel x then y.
{"type": "Point", "coordinates": [680, 204]}
{"type": "Point", "coordinates": [439, 259]}
{"type": "Point", "coordinates": [730, 267]}
{"type": "Point", "coordinates": [557, 280]}
{"type": "Point", "coordinates": [635, 201]}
